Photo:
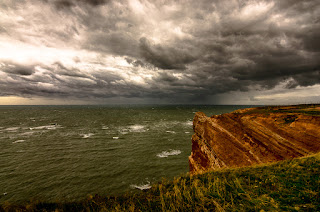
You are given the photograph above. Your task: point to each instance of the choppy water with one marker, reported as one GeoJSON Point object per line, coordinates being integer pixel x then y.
{"type": "Point", "coordinates": [67, 152]}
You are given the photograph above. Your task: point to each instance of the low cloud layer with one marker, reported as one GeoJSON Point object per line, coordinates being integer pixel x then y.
{"type": "Point", "coordinates": [159, 51]}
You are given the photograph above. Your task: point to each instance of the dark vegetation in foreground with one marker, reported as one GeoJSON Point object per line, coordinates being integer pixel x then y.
{"type": "Point", "coordinates": [291, 185]}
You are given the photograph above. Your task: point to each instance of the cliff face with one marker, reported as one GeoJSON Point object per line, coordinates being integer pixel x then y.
{"type": "Point", "coordinates": [253, 136]}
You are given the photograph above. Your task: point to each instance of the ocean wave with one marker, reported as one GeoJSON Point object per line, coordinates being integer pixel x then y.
{"type": "Point", "coordinates": [27, 133]}
{"type": "Point", "coordinates": [166, 154]}
{"type": "Point", "coordinates": [123, 130]}
{"type": "Point", "coordinates": [137, 128]}
{"type": "Point", "coordinates": [12, 128]}
{"type": "Point", "coordinates": [167, 124]}
{"type": "Point", "coordinates": [133, 128]}
{"type": "Point", "coordinates": [18, 141]}
{"type": "Point", "coordinates": [88, 135]}
{"type": "Point", "coordinates": [142, 186]}
{"type": "Point", "coordinates": [46, 127]}
{"type": "Point", "coordinates": [188, 123]}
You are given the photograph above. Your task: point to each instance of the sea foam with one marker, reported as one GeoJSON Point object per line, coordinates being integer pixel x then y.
{"type": "Point", "coordinates": [166, 154]}
{"type": "Point", "coordinates": [133, 128]}
{"type": "Point", "coordinates": [12, 128]}
{"type": "Point", "coordinates": [18, 141]}
{"type": "Point", "coordinates": [46, 127]}
{"type": "Point", "coordinates": [188, 123]}
{"type": "Point", "coordinates": [137, 128]}
{"type": "Point", "coordinates": [27, 133]}
{"type": "Point", "coordinates": [142, 187]}
{"type": "Point", "coordinates": [88, 135]}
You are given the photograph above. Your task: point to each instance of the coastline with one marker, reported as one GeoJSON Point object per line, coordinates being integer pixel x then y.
{"type": "Point", "coordinates": [262, 186]}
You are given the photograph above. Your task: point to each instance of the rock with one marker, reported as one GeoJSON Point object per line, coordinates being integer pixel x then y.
{"type": "Point", "coordinates": [253, 136]}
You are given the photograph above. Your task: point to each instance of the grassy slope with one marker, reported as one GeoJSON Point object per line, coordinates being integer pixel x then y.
{"type": "Point", "coordinates": [291, 185]}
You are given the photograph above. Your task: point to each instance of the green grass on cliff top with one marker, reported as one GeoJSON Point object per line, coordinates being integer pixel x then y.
{"type": "Point", "coordinates": [291, 185]}
{"type": "Point", "coordinates": [306, 109]}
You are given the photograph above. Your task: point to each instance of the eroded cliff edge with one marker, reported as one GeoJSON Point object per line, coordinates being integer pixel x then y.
{"type": "Point", "coordinates": [255, 135]}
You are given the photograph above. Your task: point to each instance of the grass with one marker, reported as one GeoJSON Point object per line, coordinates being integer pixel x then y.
{"type": "Point", "coordinates": [295, 109]}
{"type": "Point", "coordinates": [291, 185]}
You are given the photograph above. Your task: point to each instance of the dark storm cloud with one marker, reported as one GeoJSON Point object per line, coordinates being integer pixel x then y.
{"type": "Point", "coordinates": [265, 55]}
{"type": "Point", "coordinates": [164, 57]}
{"type": "Point", "coordinates": [65, 4]}
{"type": "Point", "coordinates": [307, 79]}
{"type": "Point", "coordinates": [61, 4]}
{"type": "Point", "coordinates": [17, 69]}
{"type": "Point", "coordinates": [171, 50]}
{"type": "Point", "coordinates": [135, 63]}
{"type": "Point", "coordinates": [113, 43]}
{"type": "Point", "coordinates": [60, 69]}
{"type": "Point", "coordinates": [59, 81]}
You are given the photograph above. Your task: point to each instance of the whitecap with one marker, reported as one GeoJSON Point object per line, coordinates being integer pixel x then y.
{"type": "Point", "coordinates": [123, 131]}
{"type": "Point", "coordinates": [18, 141]}
{"type": "Point", "coordinates": [188, 123]}
{"type": "Point", "coordinates": [142, 186]}
{"type": "Point", "coordinates": [88, 135]}
{"type": "Point", "coordinates": [46, 127]}
{"type": "Point", "coordinates": [12, 128]}
{"type": "Point", "coordinates": [169, 131]}
{"type": "Point", "coordinates": [186, 132]}
{"type": "Point", "coordinates": [27, 133]}
{"type": "Point", "coordinates": [105, 127]}
{"type": "Point", "coordinates": [166, 154]}
{"type": "Point", "coordinates": [137, 128]}
{"type": "Point", "coordinates": [115, 138]}
{"type": "Point", "coordinates": [133, 128]}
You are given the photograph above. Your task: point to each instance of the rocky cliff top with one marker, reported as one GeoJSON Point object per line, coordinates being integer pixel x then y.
{"type": "Point", "coordinates": [254, 135]}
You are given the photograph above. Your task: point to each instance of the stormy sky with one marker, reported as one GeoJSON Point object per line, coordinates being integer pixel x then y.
{"type": "Point", "coordinates": [162, 52]}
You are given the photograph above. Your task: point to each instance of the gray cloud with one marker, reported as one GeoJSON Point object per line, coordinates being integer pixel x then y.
{"type": "Point", "coordinates": [305, 79]}
{"type": "Point", "coordinates": [66, 4]}
{"type": "Point", "coordinates": [17, 69]}
{"type": "Point", "coordinates": [165, 58]}
{"type": "Point", "coordinates": [186, 51]}
{"type": "Point", "coordinates": [113, 43]}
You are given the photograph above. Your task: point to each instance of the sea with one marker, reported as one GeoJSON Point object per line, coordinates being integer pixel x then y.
{"type": "Point", "coordinates": [66, 153]}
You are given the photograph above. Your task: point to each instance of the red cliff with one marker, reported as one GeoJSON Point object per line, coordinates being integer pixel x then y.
{"type": "Point", "coordinates": [253, 136]}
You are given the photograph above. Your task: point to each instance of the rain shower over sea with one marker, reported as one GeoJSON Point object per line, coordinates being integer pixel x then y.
{"type": "Point", "coordinates": [68, 152]}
